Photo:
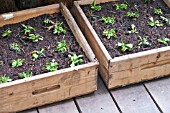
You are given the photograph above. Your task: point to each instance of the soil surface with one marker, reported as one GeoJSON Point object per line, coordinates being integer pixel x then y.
{"type": "Point", "coordinates": [123, 24]}
{"type": "Point", "coordinates": [49, 43]}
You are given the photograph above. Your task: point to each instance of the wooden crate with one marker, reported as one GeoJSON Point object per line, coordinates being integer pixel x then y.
{"type": "Point", "coordinates": [126, 69]}
{"type": "Point", "coordinates": [54, 86]}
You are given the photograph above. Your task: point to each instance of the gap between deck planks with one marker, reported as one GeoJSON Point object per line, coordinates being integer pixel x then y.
{"type": "Point", "coordinates": [130, 99]}
{"type": "Point", "coordinates": [134, 99]}
{"type": "Point", "coordinates": [160, 92]}
{"type": "Point", "coordinates": [97, 102]}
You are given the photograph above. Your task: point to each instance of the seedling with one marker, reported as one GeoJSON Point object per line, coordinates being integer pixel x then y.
{"type": "Point", "coordinates": [74, 59]}
{"type": "Point", "coordinates": [62, 46]}
{"type": "Point", "coordinates": [153, 23]}
{"type": "Point", "coordinates": [124, 46]}
{"type": "Point", "coordinates": [133, 30]}
{"type": "Point", "coordinates": [158, 11]}
{"type": "Point", "coordinates": [17, 62]}
{"type": "Point", "coordinates": [143, 41]}
{"type": "Point", "coordinates": [27, 29]}
{"type": "Point", "coordinates": [15, 47]}
{"type": "Point", "coordinates": [108, 20]}
{"type": "Point", "coordinates": [164, 40]}
{"type": "Point", "coordinates": [165, 19]}
{"type": "Point", "coordinates": [96, 7]}
{"type": "Point", "coordinates": [35, 37]}
{"type": "Point", "coordinates": [47, 21]}
{"type": "Point", "coordinates": [132, 14]}
{"type": "Point", "coordinates": [6, 33]}
{"type": "Point", "coordinates": [26, 75]}
{"type": "Point", "coordinates": [36, 54]}
{"type": "Point", "coordinates": [51, 66]}
{"type": "Point", "coordinates": [110, 33]}
{"type": "Point", "coordinates": [4, 79]}
{"type": "Point", "coordinates": [120, 6]}
{"type": "Point", "coordinates": [59, 29]}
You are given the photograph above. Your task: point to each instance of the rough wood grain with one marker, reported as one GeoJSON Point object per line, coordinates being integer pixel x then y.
{"type": "Point", "coordinates": [67, 106]}
{"type": "Point", "coordinates": [140, 66]}
{"type": "Point", "coordinates": [134, 99]}
{"type": "Point", "coordinates": [167, 2]}
{"type": "Point", "coordinates": [62, 84]}
{"type": "Point", "coordinates": [126, 69]}
{"type": "Point", "coordinates": [77, 33]}
{"type": "Point", "coordinates": [160, 90]}
{"type": "Point", "coordinates": [19, 16]}
{"type": "Point", "coordinates": [95, 43]}
{"type": "Point", "coordinates": [97, 102]}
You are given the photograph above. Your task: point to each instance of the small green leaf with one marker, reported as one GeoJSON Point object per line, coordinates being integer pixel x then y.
{"type": "Point", "coordinates": [6, 33]}
{"type": "Point", "coordinates": [96, 7]}
{"type": "Point", "coordinates": [17, 62]}
{"type": "Point", "coordinates": [158, 11]}
{"type": "Point", "coordinates": [120, 6]}
{"type": "Point", "coordinates": [4, 79]}
{"type": "Point", "coordinates": [124, 46]}
{"type": "Point", "coordinates": [110, 33]}
{"type": "Point", "coordinates": [74, 59]}
{"type": "Point", "coordinates": [26, 75]}
{"type": "Point", "coordinates": [51, 66]}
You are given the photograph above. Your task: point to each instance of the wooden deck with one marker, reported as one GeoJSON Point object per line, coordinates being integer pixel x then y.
{"type": "Point", "coordinates": [147, 97]}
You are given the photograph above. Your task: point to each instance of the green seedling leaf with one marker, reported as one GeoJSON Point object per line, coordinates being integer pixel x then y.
{"type": "Point", "coordinates": [74, 60]}
{"type": "Point", "coordinates": [4, 79]}
{"type": "Point", "coordinates": [124, 46]}
{"type": "Point", "coordinates": [51, 66]}
{"type": "Point", "coordinates": [120, 6]}
{"type": "Point", "coordinates": [26, 75]}
{"type": "Point", "coordinates": [153, 23]}
{"type": "Point", "coordinates": [108, 20]}
{"type": "Point", "coordinates": [6, 33]}
{"type": "Point", "coordinates": [95, 7]}
{"type": "Point", "coordinates": [164, 40]}
{"type": "Point", "coordinates": [110, 33]}
{"type": "Point", "coordinates": [58, 29]}
{"type": "Point", "coordinates": [17, 62]}
{"type": "Point", "coordinates": [15, 47]}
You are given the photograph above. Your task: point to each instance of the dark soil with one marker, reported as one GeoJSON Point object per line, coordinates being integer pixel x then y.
{"type": "Point", "coordinates": [49, 43]}
{"type": "Point", "coordinates": [122, 25]}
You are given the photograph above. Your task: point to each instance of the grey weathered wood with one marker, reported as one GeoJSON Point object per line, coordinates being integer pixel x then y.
{"type": "Point", "coordinates": [134, 99]}
{"type": "Point", "coordinates": [97, 102]}
{"type": "Point", "coordinates": [29, 111]}
{"type": "Point", "coordinates": [67, 106]}
{"type": "Point", "coordinates": [160, 91]}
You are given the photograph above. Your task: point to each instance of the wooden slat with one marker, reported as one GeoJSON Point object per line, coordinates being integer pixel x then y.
{"type": "Point", "coordinates": [97, 102]}
{"type": "Point", "coordinates": [20, 96]}
{"type": "Point", "coordinates": [67, 106]}
{"type": "Point", "coordinates": [127, 69]}
{"type": "Point", "coordinates": [167, 2]}
{"type": "Point", "coordinates": [77, 33]}
{"type": "Point", "coordinates": [29, 111]}
{"type": "Point", "coordinates": [160, 91]}
{"type": "Point", "coordinates": [140, 66]}
{"type": "Point", "coordinates": [62, 84]}
{"type": "Point", "coordinates": [93, 40]}
{"type": "Point", "coordinates": [19, 16]}
{"type": "Point", "coordinates": [134, 99]}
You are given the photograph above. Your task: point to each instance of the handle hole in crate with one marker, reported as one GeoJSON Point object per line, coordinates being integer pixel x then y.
{"type": "Point", "coordinates": [46, 89]}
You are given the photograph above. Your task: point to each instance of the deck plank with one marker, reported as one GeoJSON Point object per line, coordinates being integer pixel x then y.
{"type": "Point", "coordinates": [67, 106]}
{"type": "Point", "coordinates": [160, 91]}
{"type": "Point", "coordinates": [97, 102]}
{"type": "Point", "coordinates": [134, 99]}
{"type": "Point", "coordinates": [29, 111]}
